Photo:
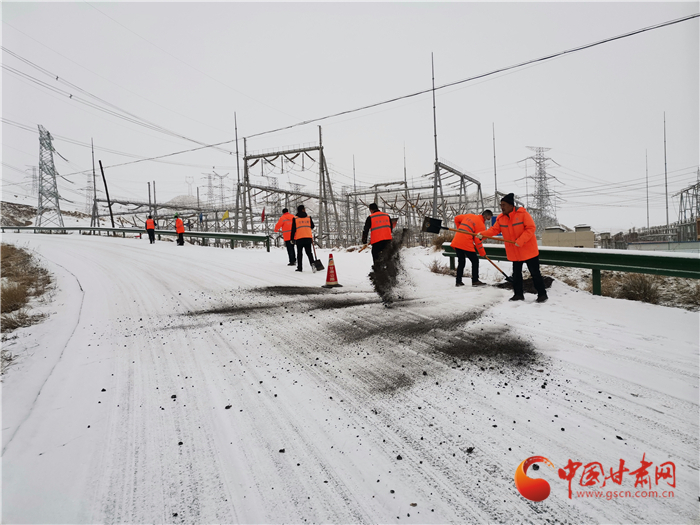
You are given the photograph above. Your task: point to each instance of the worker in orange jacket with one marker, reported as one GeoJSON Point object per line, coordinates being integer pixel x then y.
{"type": "Point", "coordinates": [151, 229]}
{"type": "Point", "coordinates": [285, 226]}
{"type": "Point", "coordinates": [301, 233]}
{"type": "Point", "coordinates": [466, 246]}
{"type": "Point", "coordinates": [180, 229]}
{"type": "Point", "coordinates": [379, 227]}
{"type": "Point", "coordinates": [516, 224]}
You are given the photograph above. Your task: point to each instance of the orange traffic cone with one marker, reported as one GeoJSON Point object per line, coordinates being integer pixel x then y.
{"type": "Point", "coordinates": [331, 277]}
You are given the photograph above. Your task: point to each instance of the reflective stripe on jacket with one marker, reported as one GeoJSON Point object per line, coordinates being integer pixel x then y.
{"type": "Point", "coordinates": [469, 223]}
{"type": "Point", "coordinates": [285, 225]}
{"type": "Point", "coordinates": [150, 224]}
{"type": "Point", "coordinates": [303, 228]}
{"type": "Point", "coordinates": [381, 227]}
{"type": "Point", "coordinates": [179, 225]}
{"type": "Point", "coordinates": [518, 226]}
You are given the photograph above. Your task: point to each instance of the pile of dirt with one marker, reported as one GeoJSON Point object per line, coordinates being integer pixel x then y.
{"type": "Point", "coordinates": [384, 275]}
{"type": "Point", "coordinates": [528, 285]}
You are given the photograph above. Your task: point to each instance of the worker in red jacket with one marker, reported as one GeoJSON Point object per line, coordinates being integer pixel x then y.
{"type": "Point", "coordinates": [516, 224]}
{"type": "Point", "coordinates": [151, 229]}
{"type": "Point", "coordinates": [285, 226]}
{"type": "Point", "coordinates": [378, 225]}
{"type": "Point", "coordinates": [180, 229]}
{"type": "Point", "coordinates": [466, 246]}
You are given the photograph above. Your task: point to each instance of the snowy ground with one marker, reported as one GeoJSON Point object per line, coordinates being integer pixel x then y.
{"type": "Point", "coordinates": [203, 385]}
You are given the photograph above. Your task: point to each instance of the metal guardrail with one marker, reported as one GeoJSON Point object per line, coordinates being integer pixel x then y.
{"type": "Point", "coordinates": [231, 237]}
{"type": "Point", "coordinates": [686, 265]}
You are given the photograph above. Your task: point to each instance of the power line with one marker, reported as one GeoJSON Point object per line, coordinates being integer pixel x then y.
{"type": "Point", "coordinates": [117, 112]}
{"type": "Point", "coordinates": [108, 80]}
{"type": "Point", "coordinates": [483, 75]}
{"type": "Point", "coordinates": [62, 138]}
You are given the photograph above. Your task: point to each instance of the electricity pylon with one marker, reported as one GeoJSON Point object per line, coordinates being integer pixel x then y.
{"type": "Point", "coordinates": [48, 210]}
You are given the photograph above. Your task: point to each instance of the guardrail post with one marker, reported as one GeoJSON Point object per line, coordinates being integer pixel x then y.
{"type": "Point", "coordinates": [232, 241]}
{"type": "Point", "coordinates": [596, 283]}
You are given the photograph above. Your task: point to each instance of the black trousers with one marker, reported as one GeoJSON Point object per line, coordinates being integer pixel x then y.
{"type": "Point", "coordinates": [462, 256]}
{"type": "Point", "coordinates": [290, 252]}
{"type": "Point", "coordinates": [180, 239]}
{"type": "Point", "coordinates": [151, 236]}
{"type": "Point", "coordinates": [534, 266]}
{"type": "Point", "coordinates": [377, 249]}
{"type": "Point", "coordinates": [303, 244]}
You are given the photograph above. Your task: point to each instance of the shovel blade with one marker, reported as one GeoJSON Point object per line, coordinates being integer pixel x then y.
{"type": "Point", "coordinates": [318, 265]}
{"type": "Point", "coordinates": [431, 225]}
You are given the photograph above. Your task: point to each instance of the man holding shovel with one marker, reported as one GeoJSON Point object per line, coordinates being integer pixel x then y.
{"type": "Point", "coordinates": [378, 226]}
{"type": "Point", "coordinates": [518, 227]}
{"type": "Point", "coordinates": [466, 246]}
{"type": "Point", "coordinates": [302, 225]}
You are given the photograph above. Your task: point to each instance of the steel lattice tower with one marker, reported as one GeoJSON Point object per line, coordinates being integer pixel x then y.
{"type": "Point", "coordinates": [48, 210]}
{"type": "Point", "coordinates": [542, 208]}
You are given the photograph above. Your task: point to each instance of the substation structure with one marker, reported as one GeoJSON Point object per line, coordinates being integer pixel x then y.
{"type": "Point", "coordinates": [339, 216]}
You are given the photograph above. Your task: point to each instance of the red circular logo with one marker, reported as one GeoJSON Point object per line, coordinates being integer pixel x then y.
{"type": "Point", "coordinates": [534, 489]}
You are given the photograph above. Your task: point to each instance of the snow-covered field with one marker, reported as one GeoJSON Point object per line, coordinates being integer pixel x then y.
{"type": "Point", "coordinates": [202, 385]}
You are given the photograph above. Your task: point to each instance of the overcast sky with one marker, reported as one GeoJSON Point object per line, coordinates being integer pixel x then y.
{"type": "Point", "coordinates": [187, 67]}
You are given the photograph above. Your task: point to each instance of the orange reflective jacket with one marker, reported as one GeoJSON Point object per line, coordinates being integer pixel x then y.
{"type": "Point", "coordinates": [285, 225]}
{"type": "Point", "coordinates": [150, 224]}
{"type": "Point", "coordinates": [468, 223]}
{"type": "Point", "coordinates": [179, 225]}
{"type": "Point", "coordinates": [303, 230]}
{"type": "Point", "coordinates": [381, 227]}
{"type": "Point", "coordinates": [518, 226]}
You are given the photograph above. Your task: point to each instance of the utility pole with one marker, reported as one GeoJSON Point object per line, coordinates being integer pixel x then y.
{"type": "Point", "coordinates": [238, 174]}
{"type": "Point", "coordinates": [646, 159]}
{"type": "Point", "coordinates": [406, 196]}
{"type": "Point", "coordinates": [94, 219]}
{"type": "Point", "coordinates": [155, 209]}
{"type": "Point", "coordinates": [321, 196]}
{"type": "Point", "coordinates": [437, 167]}
{"type": "Point", "coordinates": [354, 189]}
{"type": "Point", "coordinates": [666, 177]}
{"type": "Point", "coordinates": [109, 203]}
{"type": "Point", "coordinates": [527, 193]}
{"type": "Point", "coordinates": [495, 180]}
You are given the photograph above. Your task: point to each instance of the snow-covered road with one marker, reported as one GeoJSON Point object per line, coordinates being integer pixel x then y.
{"type": "Point", "coordinates": [203, 385]}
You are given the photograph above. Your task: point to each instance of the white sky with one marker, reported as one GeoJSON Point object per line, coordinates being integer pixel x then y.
{"type": "Point", "coordinates": [187, 67]}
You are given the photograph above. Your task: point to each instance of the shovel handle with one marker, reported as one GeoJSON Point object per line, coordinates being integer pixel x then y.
{"type": "Point", "coordinates": [475, 234]}
{"type": "Point", "coordinates": [498, 268]}
{"type": "Point", "coordinates": [365, 246]}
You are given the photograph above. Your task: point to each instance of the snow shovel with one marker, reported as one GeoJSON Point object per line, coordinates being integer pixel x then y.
{"type": "Point", "coordinates": [435, 225]}
{"type": "Point", "coordinates": [318, 265]}
{"type": "Point", "coordinates": [508, 277]}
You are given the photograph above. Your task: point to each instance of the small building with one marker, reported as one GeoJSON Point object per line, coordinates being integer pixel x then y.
{"type": "Point", "coordinates": [560, 235]}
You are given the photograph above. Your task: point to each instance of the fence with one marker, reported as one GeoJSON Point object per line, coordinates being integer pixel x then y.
{"type": "Point", "coordinates": [685, 265]}
{"type": "Point", "coordinates": [231, 237]}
